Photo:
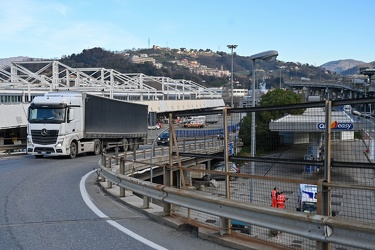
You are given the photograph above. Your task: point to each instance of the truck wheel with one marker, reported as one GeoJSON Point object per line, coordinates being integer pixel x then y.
{"type": "Point", "coordinates": [131, 145]}
{"type": "Point", "coordinates": [39, 156]}
{"type": "Point", "coordinates": [73, 150]}
{"type": "Point", "coordinates": [136, 145]}
{"type": "Point", "coordinates": [97, 147]}
{"type": "Point", "coordinates": [125, 145]}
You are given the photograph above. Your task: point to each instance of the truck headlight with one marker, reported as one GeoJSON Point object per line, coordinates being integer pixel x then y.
{"type": "Point", "coordinates": [29, 142]}
{"type": "Point", "coordinates": [59, 143]}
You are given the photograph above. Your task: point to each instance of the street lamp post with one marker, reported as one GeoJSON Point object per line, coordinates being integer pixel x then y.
{"type": "Point", "coordinates": [231, 75]}
{"type": "Point", "coordinates": [281, 67]}
{"type": "Point", "coordinates": [265, 56]}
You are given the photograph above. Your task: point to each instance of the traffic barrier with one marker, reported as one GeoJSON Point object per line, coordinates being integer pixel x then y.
{"type": "Point", "coordinates": [317, 227]}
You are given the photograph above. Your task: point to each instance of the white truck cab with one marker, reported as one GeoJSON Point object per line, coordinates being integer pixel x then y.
{"type": "Point", "coordinates": [54, 121]}
{"type": "Point", "coordinates": [70, 123]}
{"type": "Point", "coordinates": [306, 198]}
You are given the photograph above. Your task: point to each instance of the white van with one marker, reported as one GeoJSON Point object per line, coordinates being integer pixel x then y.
{"type": "Point", "coordinates": [306, 198]}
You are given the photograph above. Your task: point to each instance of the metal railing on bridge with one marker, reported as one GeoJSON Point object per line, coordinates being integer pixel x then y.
{"type": "Point", "coordinates": [295, 149]}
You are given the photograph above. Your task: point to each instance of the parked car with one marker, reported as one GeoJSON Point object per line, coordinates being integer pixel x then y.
{"type": "Point", "coordinates": [163, 139]}
{"type": "Point", "coordinates": [240, 226]}
{"type": "Point", "coordinates": [194, 124]}
{"type": "Point", "coordinates": [157, 126]}
{"type": "Point", "coordinates": [220, 136]}
{"type": "Point", "coordinates": [220, 167]}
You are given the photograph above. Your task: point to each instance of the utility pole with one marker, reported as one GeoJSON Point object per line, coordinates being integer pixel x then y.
{"type": "Point", "coordinates": [231, 75]}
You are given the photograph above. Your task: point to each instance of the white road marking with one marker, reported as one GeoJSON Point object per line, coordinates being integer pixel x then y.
{"type": "Point", "coordinates": [87, 199]}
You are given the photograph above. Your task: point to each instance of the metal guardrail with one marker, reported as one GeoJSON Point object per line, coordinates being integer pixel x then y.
{"type": "Point", "coordinates": [316, 227]}
{"type": "Point", "coordinates": [11, 147]}
{"type": "Point", "coordinates": [321, 227]}
{"type": "Point", "coordinates": [12, 144]}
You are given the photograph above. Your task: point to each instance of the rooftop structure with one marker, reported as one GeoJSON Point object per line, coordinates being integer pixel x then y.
{"type": "Point", "coordinates": [21, 81]}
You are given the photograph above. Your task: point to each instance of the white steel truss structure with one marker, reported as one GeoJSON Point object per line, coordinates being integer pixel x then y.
{"type": "Point", "coordinates": [41, 76]}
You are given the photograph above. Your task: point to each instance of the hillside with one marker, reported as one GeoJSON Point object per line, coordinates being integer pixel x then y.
{"type": "Point", "coordinates": [356, 69]}
{"type": "Point", "coordinates": [189, 65]}
{"type": "Point", "coordinates": [6, 61]}
{"type": "Point", "coordinates": [340, 66]}
{"type": "Point", "coordinates": [242, 67]}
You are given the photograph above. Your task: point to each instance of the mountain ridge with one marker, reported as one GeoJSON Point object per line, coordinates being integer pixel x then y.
{"type": "Point", "coordinates": [346, 66]}
{"type": "Point", "coordinates": [342, 66]}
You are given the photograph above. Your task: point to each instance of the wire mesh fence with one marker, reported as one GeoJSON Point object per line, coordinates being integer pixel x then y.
{"type": "Point", "coordinates": [286, 147]}
{"type": "Point", "coordinates": [244, 154]}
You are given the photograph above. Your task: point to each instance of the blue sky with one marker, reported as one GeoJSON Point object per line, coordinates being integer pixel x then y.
{"type": "Point", "coordinates": [313, 32]}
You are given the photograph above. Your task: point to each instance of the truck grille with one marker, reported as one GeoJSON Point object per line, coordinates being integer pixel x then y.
{"type": "Point", "coordinates": [47, 150]}
{"type": "Point", "coordinates": [44, 136]}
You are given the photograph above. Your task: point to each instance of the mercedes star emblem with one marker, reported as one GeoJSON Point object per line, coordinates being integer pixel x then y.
{"type": "Point", "coordinates": [44, 132]}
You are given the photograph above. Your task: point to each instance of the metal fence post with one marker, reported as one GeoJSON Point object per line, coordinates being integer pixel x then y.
{"type": "Point", "coordinates": [146, 201]}
{"type": "Point", "coordinates": [324, 207]}
{"type": "Point", "coordinates": [109, 183]}
{"type": "Point", "coordinates": [134, 150]}
{"type": "Point", "coordinates": [322, 198]}
{"type": "Point", "coordinates": [225, 227]}
{"type": "Point", "coordinates": [167, 182]}
{"type": "Point", "coordinates": [122, 171]}
{"type": "Point", "coordinates": [327, 141]}
{"type": "Point", "coordinates": [168, 173]}
{"type": "Point", "coordinates": [104, 162]}
{"type": "Point", "coordinates": [116, 154]}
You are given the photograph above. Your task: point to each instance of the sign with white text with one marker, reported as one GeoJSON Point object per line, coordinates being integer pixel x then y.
{"type": "Point", "coordinates": [337, 125]}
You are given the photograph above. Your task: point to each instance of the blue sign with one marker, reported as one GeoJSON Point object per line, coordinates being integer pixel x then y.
{"type": "Point", "coordinates": [337, 125]}
{"type": "Point", "coordinates": [230, 148]}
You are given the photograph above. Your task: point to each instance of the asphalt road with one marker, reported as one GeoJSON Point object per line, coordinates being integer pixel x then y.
{"type": "Point", "coordinates": [43, 207]}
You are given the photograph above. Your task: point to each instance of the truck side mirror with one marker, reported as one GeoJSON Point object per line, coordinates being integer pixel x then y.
{"type": "Point", "coordinates": [71, 115]}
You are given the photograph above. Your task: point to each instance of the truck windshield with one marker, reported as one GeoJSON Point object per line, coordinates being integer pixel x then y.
{"type": "Point", "coordinates": [46, 115]}
{"type": "Point", "coordinates": [309, 207]}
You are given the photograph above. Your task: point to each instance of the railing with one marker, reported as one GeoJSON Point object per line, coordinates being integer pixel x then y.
{"type": "Point", "coordinates": [18, 143]}
{"type": "Point", "coordinates": [315, 227]}
{"type": "Point", "coordinates": [338, 159]}
{"type": "Point", "coordinates": [139, 160]}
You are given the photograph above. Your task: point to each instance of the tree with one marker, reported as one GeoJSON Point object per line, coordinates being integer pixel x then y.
{"type": "Point", "coordinates": [267, 140]}
{"type": "Point", "coordinates": [279, 97]}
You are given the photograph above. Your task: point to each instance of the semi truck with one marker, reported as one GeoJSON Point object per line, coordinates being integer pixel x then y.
{"type": "Point", "coordinates": [306, 198]}
{"type": "Point", "coordinates": [69, 123]}
{"type": "Point", "coordinates": [211, 119]}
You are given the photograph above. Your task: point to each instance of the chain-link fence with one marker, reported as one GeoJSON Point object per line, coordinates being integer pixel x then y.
{"type": "Point", "coordinates": [289, 148]}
